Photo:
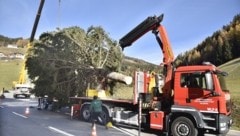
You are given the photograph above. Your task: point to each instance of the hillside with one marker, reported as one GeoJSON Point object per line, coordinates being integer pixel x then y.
{"type": "Point", "coordinates": [10, 68]}
{"type": "Point", "coordinates": [9, 71]}
{"type": "Point", "coordinates": [131, 64]}
{"type": "Point", "coordinates": [221, 47]}
{"type": "Point", "coordinates": [20, 42]}
{"type": "Point", "coordinates": [233, 84]}
{"type": "Point", "coordinates": [8, 51]}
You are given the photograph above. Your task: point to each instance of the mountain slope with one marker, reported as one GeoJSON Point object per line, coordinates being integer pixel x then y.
{"type": "Point", "coordinates": [233, 84]}
{"type": "Point", "coordinates": [221, 47]}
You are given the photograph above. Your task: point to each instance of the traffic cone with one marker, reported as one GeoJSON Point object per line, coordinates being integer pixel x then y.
{"type": "Point", "coordinates": [94, 133]}
{"type": "Point", "coordinates": [27, 111]}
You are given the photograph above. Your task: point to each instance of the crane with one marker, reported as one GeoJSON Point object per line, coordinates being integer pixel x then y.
{"type": "Point", "coordinates": [152, 23]}
{"type": "Point", "coordinates": [22, 78]}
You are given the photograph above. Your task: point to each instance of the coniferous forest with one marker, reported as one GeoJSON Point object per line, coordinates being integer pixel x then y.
{"type": "Point", "coordinates": [222, 46]}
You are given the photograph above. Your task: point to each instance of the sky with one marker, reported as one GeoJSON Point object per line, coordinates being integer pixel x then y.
{"type": "Point", "coordinates": [188, 22]}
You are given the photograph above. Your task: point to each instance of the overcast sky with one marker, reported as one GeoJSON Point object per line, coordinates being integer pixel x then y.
{"type": "Point", "coordinates": [188, 22]}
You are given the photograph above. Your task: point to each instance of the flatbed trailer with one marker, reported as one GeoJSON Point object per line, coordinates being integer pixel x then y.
{"type": "Point", "coordinates": [129, 101]}
{"type": "Point", "coordinates": [116, 110]}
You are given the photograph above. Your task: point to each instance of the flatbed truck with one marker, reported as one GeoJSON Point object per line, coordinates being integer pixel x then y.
{"type": "Point", "coordinates": [192, 101]}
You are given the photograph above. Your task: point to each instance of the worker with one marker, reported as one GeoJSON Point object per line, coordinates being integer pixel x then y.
{"type": "Point", "coordinates": [152, 82]}
{"type": "Point", "coordinates": [39, 103]}
{"type": "Point", "coordinates": [96, 110]}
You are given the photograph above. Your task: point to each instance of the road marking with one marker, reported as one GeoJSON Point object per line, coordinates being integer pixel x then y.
{"type": "Point", "coordinates": [123, 131]}
{"type": "Point", "coordinates": [67, 113]}
{"type": "Point", "coordinates": [1, 107]}
{"type": "Point", "coordinates": [20, 115]}
{"type": "Point", "coordinates": [59, 131]}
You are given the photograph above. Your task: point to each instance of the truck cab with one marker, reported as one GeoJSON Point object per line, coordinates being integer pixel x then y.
{"type": "Point", "coordinates": [201, 93]}
{"type": "Point", "coordinates": [22, 90]}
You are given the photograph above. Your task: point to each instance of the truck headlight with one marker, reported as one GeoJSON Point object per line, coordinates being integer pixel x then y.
{"type": "Point", "coordinates": [223, 126]}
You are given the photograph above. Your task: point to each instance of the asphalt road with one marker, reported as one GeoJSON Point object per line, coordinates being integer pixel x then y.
{"type": "Point", "coordinates": [15, 122]}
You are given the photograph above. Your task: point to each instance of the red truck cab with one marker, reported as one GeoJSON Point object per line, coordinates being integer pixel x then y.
{"type": "Point", "coordinates": [200, 92]}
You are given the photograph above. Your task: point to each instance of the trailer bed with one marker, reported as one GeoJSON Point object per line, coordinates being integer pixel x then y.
{"type": "Point", "coordinates": [129, 101]}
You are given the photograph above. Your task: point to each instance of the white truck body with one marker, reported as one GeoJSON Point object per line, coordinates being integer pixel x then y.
{"type": "Point", "coordinates": [22, 90]}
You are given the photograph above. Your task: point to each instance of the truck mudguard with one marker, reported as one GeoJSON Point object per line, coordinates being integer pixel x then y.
{"type": "Point", "coordinates": [190, 111]}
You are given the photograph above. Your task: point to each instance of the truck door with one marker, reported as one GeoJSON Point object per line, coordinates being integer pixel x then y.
{"type": "Point", "coordinates": [198, 87]}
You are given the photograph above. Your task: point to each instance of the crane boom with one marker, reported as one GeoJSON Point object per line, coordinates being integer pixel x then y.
{"type": "Point", "coordinates": [36, 20]}
{"type": "Point", "coordinates": [22, 79]}
{"type": "Point", "coordinates": [152, 23]}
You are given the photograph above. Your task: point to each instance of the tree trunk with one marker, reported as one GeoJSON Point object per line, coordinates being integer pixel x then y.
{"type": "Point", "coordinates": [120, 77]}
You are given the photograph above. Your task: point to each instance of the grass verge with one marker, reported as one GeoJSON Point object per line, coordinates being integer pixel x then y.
{"type": "Point", "coordinates": [9, 72]}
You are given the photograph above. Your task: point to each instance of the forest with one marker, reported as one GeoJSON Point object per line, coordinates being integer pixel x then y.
{"type": "Point", "coordinates": [222, 46]}
{"type": "Point", "coordinates": [20, 42]}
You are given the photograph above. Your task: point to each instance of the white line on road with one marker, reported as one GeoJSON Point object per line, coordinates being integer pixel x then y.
{"type": "Point", "coordinates": [1, 107]}
{"type": "Point", "coordinates": [20, 115]}
{"type": "Point", "coordinates": [59, 131]}
{"type": "Point", "coordinates": [67, 113]}
{"type": "Point", "coordinates": [123, 131]}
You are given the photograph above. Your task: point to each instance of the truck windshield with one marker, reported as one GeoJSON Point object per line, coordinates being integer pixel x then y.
{"type": "Point", "coordinates": [201, 80]}
{"type": "Point", "coordinates": [221, 78]}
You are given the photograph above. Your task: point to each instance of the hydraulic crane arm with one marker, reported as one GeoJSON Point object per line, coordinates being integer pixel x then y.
{"type": "Point", "coordinates": [150, 24]}
{"type": "Point", "coordinates": [153, 24]}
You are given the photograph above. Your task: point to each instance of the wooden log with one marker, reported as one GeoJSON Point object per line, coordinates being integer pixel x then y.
{"type": "Point", "coordinates": [120, 77]}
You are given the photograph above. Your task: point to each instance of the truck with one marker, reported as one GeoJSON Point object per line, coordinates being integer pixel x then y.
{"type": "Point", "coordinates": [193, 100]}
{"type": "Point", "coordinates": [22, 90]}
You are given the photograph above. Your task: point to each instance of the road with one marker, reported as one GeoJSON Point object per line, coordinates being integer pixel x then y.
{"type": "Point", "coordinates": [14, 122]}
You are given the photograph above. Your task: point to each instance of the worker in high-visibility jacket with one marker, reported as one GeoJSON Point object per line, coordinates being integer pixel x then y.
{"type": "Point", "coordinates": [96, 110]}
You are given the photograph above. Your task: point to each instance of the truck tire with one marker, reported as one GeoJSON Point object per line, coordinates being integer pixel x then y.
{"type": "Point", "coordinates": [15, 96]}
{"type": "Point", "coordinates": [183, 126]}
{"type": "Point", "coordinates": [104, 116]}
{"type": "Point", "coordinates": [85, 114]}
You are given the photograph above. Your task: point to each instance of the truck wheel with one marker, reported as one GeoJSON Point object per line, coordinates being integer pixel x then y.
{"type": "Point", "coordinates": [15, 96]}
{"type": "Point", "coordinates": [85, 113]}
{"type": "Point", "coordinates": [104, 116]}
{"type": "Point", "coordinates": [183, 126]}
